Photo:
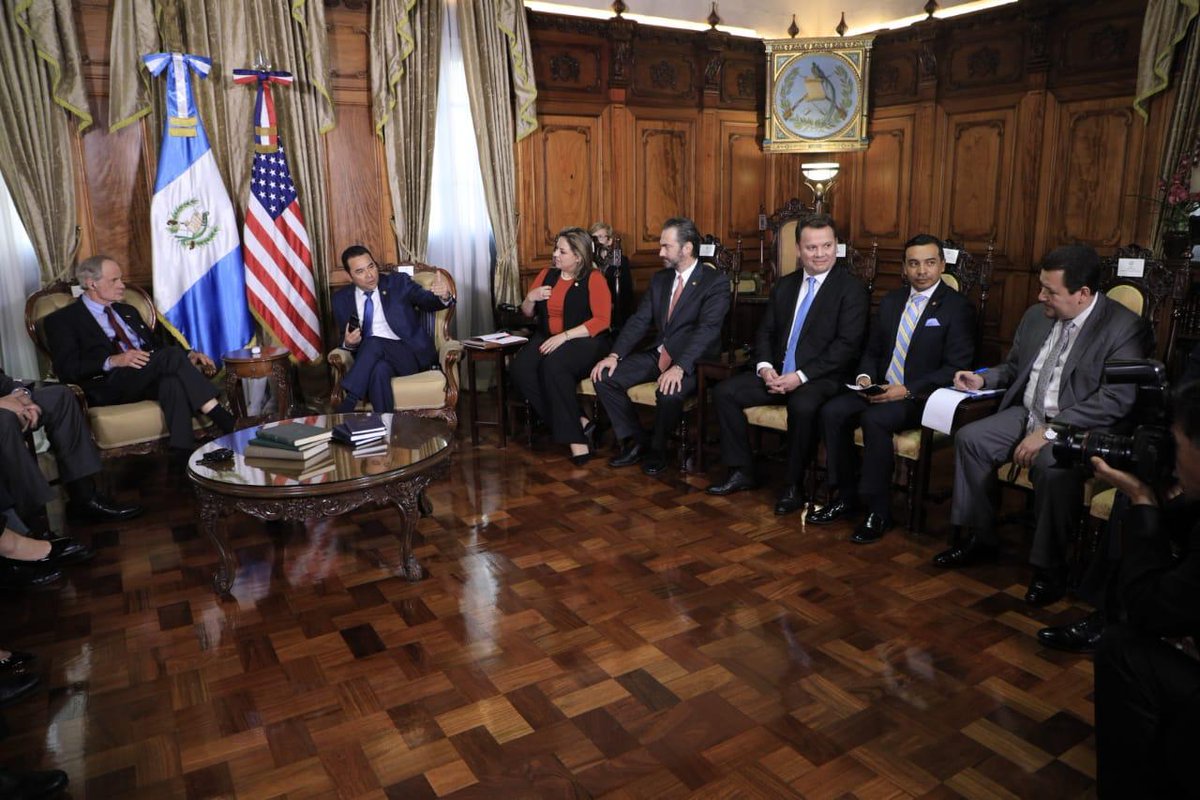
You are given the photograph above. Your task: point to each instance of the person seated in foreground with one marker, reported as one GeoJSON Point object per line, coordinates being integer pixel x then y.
{"type": "Point", "coordinates": [1053, 373]}
{"type": "Point", "coordinates": [1147, 689]}
{"type": "Point", "coordinates": [684, 307]}
{"type": "Point", "coordinates": [379, 320]}
{"type": "Point", "coordinates": [921, 335]}
{"type": "Point", "coordinates": [104, 346]}
{"type": "Point", "coordinates": [806, 348]}
{"type": "Point", "coordinates": [55, 410]}
{"type": "Point", "coordinates": [572, 305]}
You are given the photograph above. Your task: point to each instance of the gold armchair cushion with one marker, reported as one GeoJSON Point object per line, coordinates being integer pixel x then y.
{"type": "Point", "coordinates": [907, 444]}
{"type": "Point", "coordinates": [1021, 479]}
{"type": "Point", "coordinates": [774, 417]}
{"type": "Point", "coordinates": [418, 392]}
{"type": "Point", "coordinates": [126, 424]}
{"type": "Point", "coordinates": [646, 394]}
{"type": "Point", "coordinates": [1102, 504]}
{"type": "Point", "coordinates": [586, 388]}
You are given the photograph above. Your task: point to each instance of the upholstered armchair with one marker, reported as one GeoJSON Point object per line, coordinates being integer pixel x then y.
{"type": "Point", "coordinates": [118, 430]}
{"type": "Point", "coordinates": [433, 393]}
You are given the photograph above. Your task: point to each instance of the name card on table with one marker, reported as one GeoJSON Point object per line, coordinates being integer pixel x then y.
{"type": "Point", "coordinates": [1131, 267]}
{"type": "Point", "coordinates": [841, 250]}
{"type": "Point", "coordinates": [951, 255]}
{"type": "Point", "coordinates": [708, 250]}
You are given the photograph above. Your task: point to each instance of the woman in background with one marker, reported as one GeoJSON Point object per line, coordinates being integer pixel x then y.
{"type": "Point", "coordinates": [573, 307]}
{"type": "Point", "coordinates": [620, 279]}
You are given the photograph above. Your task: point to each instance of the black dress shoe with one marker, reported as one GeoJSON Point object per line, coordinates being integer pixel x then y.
{"type": "Point", "coordinates": [831, 512]}
{"type": "Point", "coordinates": [14, 689]}
{"type": "Point", "coordinates": [581, 459]}
{"type": "Point", "coordinates": [792, 499]}
{"type": "Point", "coordinates": [630, 455]}
{"type": "Point", "coordinates": [17, 661]}
{"type": "Point", "coordinates": [32, 784]}
{"type": "Point", "coordinates": [871, 529]}
{"type": "Point", "coordinates": [970, 552]}
{"type": "Point", "coordinates": [65, 550]}
{"type": "Point", "coordinates": [101, 509]}
{"type": "Point", "coordinates": [1081, 636]}
{"type": "Point", "coordinates": [1045, 588]}
{"type": "Point", "coordinates": [27, 574]}
{"type": "Point", "coordinates": [654, 462]}
{"type": "Point", "coordinates": [739, 480]}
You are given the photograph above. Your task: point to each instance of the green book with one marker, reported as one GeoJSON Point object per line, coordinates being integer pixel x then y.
{"type": "Point", "coordinates": [296, 434]}
{"type": "Point", "coordinates": [258, 441]}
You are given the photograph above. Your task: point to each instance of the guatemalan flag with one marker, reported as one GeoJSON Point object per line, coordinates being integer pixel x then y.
{"type": "Point", "coordinates": [199, 280]}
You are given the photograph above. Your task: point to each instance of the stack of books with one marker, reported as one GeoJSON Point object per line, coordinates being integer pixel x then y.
{"type": "Point", "coordinates": [367, 435]}
{"type": "Point", "coordinates": [289, 441]}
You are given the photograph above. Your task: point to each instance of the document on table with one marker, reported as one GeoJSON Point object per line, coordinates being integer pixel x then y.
{"type": "Point", "coordinates": [941, 405]}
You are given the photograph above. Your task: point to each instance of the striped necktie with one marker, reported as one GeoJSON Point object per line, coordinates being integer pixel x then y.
{"type": "Point", "coordinates": [908, 324]}
{"type": "Point", "coordinates": [1037, 412]}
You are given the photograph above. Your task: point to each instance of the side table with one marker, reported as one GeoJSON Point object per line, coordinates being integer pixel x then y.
{"type": "Point", "coordinates": [270, 362]}
{"type": "Point", "coordinates": [498, 355]}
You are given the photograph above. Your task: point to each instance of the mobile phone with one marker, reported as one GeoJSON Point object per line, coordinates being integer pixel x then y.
{"type": "Point", "coordinates": [354, 323]}
{"type": "Point", "coordinates": [873, 389]}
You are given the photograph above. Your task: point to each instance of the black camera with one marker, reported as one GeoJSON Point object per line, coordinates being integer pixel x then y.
{"type": "Point", "coordinates": [1149, 453]}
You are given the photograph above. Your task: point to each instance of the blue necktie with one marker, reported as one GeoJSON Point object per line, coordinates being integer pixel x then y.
{"type": "Point", "coordinates": [789, 360]}
{"type": "Point", "coordinates": [368, 314]}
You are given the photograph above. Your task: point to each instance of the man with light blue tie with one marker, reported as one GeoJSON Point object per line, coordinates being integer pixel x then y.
{"type": "Point", "coordinates": [377, 315]}
{"type": "Point", "coordinates": [807, 346]}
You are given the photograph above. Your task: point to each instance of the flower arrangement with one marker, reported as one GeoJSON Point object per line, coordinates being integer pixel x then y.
{"type": "Point", "coordinates": [1179, 202]}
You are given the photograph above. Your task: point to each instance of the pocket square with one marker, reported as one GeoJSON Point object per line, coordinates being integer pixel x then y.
{"type": "Point", "coordinates": [932, 323]}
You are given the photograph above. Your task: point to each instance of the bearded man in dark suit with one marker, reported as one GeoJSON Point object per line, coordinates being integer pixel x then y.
{"type": "Point", "coordinates": [684, 307]}
{"type": "Point", "coordinates": [922, 334]}
{"type": "Point", "coordinates": [808, 344]}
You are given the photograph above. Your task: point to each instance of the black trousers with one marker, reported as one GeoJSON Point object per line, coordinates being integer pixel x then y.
{"type": "Point", "coordinates": [20, 478]}
{"type": "Point", "coordinates": [170, 379]}
{"type": "Point", "coordinates": [1147, 717]}
{"type": "Point", "coordinates": [632, 370]}
{"type": "Point", "coordinates": [376, 362]}
{"type": "Point", "coordinates": [747, 390]}
{"type": "Point", "coordinates": [839, 417]}
{"type": "Point", "coordinates": [549, 382]}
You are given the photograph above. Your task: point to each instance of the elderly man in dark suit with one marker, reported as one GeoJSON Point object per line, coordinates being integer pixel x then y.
{"type": "Point", "coordinates": [57, 412]}
{"type": "Point", "coordinates": [807, 346]}
{"type": "Point", "coordinates": [685, 306]}
{"type": "Point", "coordinates": [1053, 374]}
{"type": "Point", "coordinates": [378, 318]}
{"type": "Point", "coordinates": [105, 346]}
{"type": "Point", "coordinates": [922, 334]}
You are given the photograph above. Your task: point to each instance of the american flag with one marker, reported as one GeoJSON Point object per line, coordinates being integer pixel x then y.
{"type": "Point", "coordinates": [279, 273]}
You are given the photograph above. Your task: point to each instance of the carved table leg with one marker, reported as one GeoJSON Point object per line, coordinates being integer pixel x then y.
{"type": "Point", "coordinates": [210, 521]}
{"type": "Point", "coordinates": [409, 498]}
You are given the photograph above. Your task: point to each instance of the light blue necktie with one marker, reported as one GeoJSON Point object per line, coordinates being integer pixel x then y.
{"type": "Point", "coordinates": [908, 324]}
{"type": "Point", "coordinates": [368, 314]}
{"type": "Point", "coordinates": [789, 360]}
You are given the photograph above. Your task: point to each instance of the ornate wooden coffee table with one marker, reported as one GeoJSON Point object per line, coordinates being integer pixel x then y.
{"type": "Point", "coordinates": [418, 452]}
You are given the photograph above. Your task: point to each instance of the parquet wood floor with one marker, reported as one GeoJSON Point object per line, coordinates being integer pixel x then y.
{"type": "Point", "coordinates": [583, 632]}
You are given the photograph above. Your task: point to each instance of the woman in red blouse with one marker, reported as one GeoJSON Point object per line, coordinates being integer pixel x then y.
{"type": "Point", "coordinates": [573, 307]}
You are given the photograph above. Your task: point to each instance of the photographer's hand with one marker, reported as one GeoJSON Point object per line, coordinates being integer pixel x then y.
{"type": "Point", "coordinates": [1139, 493]}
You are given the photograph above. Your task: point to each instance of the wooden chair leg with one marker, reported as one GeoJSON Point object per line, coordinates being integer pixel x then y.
{"type": "Point", "coordinates": [910, 485]}
{"type": "Point", "coordinates": [684, 467]}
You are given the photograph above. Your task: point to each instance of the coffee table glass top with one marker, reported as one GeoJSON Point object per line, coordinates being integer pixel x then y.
{"type": "Point", "coordinates": [412, 444]}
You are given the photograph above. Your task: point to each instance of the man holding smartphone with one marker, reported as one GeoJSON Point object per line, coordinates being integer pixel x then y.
{"type": "Point", "coordinates": [921, 335]}
{"type": "Point", "coordinates": [379, 319]}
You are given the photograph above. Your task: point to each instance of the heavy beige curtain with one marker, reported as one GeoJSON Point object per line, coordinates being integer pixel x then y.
{"type": "Point", "coordinates": [1185, 121]}
{"type": "Point", "coordinates": [41, 93]}
{"type": "Point", "coordinates": [289, 36]}
{"type": "Point", "coordinates": [405, 43]}
{"type": "Point", "coordinates": [1164, 26]}
{"type": "Point", "coordinates": [495, 37]}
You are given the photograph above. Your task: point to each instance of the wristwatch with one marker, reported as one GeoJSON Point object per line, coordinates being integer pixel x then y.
{"type": "Point", "coordinates": [1050, 435]}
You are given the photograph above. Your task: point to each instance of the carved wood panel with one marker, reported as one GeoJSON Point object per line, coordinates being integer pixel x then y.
{"type": "Point", "coordinates": [743, 178]}
{"type": "Point", "coordinates": [358, 201]}
{"type": "Point", "coordinates": [569, 67]}
{"type": "Point", "coordinates": [566, 162]}
{"type": "Point", "coordinates": [976, 170]}
{"type": "Point", "coordinates": [1092, 187]}
{"type": "Point", "coordinates": [664, 175]}
{"type": "Point", "coordinates": [882, 193]}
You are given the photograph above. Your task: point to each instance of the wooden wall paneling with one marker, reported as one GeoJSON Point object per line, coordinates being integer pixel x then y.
{"type": "Point", "coordinates": [664, 173]}
{"type": "Point", "coordinates": [882, 190]}
{"type": "Point", "coordinates": [975, 175]}
{"type": "Point", "coordinates": [743, 173]}
{"type": "Point", "coordinates": [570, 66]}
{"type": "Point", "coordinates": [358, 199]}
{"type": "Point", "coordinates": [1090, 180]}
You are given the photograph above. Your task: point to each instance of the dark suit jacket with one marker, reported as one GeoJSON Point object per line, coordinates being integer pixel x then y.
{"type": "Point", "coordinates": [1159, 592]}
{"type": "Point", "coordinates": [832, 337]}
{"type": "Point", "coordinates": [1111, 331]}
{"type": "Point", "coordinates": [942, 344]}
{"type": "Point", "coordinates": [399, 297]}
{"type": "Point", "coordinates": [695, 328]}
{"type": "Point", "coordinates": [79, 346]}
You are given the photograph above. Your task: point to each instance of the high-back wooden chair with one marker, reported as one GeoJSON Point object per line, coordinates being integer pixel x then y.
{"type": "Point", "coordinates": [432, 393]}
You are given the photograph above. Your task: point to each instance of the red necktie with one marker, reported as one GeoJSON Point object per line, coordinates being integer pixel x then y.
{"type": "Point", "coordinates": [664, 358]}
{"type": "Point", "coordinates": [122, 337]}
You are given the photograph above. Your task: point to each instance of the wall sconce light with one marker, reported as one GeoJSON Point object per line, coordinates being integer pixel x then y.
{"type": "Point", "coordinates": [819, 177]}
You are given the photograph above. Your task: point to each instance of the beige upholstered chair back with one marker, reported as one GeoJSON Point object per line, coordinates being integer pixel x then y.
{"type": "Point", "coordinates": [438, 323]}
{"type": "Point", "coordinates": [49, 299]}
{"type": "Point", "coordinates": [1129, 296]}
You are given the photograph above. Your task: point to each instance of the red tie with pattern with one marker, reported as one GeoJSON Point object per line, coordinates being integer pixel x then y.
{"type": "Point", "coordinates": [664, 358]}
{"type": "Point", "coordinates": [122, 339]}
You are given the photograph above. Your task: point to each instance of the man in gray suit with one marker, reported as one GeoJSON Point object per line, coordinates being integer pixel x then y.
{"type": "Point", "coordinates": [1053, 373]}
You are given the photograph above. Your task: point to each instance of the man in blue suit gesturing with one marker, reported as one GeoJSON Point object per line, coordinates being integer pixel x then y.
{"type": "Point", "coordinates": [379, 322]}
